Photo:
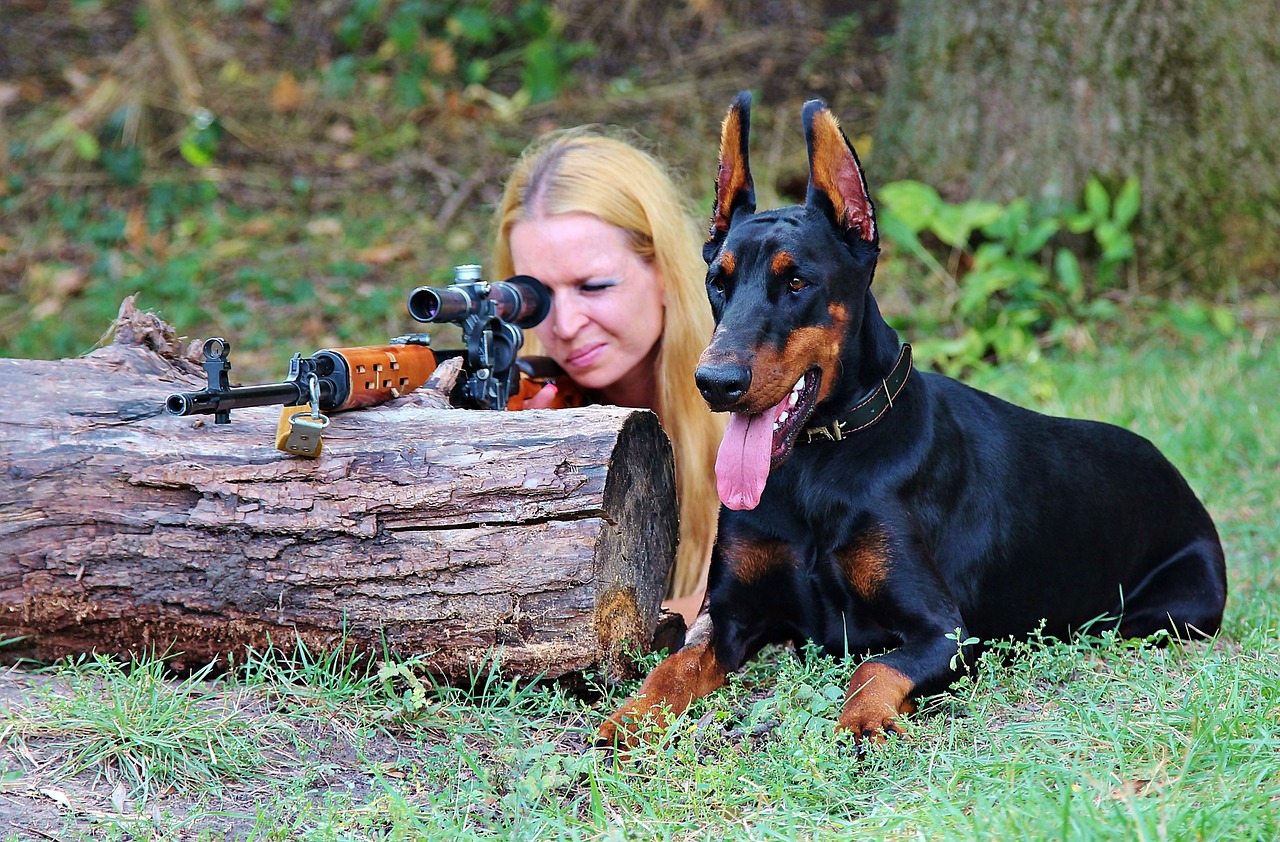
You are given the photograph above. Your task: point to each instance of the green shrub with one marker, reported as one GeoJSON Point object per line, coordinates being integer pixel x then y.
{"type": "Point", "coordinates": [1031, 276]}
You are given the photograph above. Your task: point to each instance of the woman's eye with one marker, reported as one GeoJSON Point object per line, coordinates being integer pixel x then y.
{"type": "Point", "coordinates": [596, 286]}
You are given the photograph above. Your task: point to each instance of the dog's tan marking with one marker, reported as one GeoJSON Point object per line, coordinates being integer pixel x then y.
{"type": "Point", "coordinates": [834, 170]}
{"type": "Point", "coordinates": [773, 373]}
{"type": "Point", "coordinates": [727, 262]}
{"type": "Point", "coordinates": [733, 176]}
{"type": "Point", "coordinates": [866, 561]}
{"type": "Point", "coordinates": [782, 263]}
{"type": "Point", "coordinates": [750, 561]}
{"type": "Point", "coordinates": [878, 694]}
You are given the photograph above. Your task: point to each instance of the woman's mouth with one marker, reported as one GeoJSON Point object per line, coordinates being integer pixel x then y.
{"type": "Point", "coordinates": [585, 357]}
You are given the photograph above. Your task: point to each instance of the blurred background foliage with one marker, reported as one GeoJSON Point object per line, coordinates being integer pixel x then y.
{"type": "Point", "coordinates": [284, 172]}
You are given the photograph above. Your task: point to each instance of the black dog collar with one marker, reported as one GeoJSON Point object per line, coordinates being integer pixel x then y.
{"type": "Point", "coordinates": [871, 409]}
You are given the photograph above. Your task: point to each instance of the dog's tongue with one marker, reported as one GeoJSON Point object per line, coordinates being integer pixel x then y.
{"type": "Point", "coordinates": [742, 466]}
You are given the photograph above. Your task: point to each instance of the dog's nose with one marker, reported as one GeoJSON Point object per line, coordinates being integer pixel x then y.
{"type": "Point", "coordinates": [724, 384]}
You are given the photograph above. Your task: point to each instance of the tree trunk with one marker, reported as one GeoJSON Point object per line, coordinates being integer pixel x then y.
{"type": "Point", "coordinates": [542, 537]}
{"type": "Point", "coordinates": [997, 99]}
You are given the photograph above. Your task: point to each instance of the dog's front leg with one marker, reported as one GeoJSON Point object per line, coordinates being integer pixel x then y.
{"type": "Point", "coordinates": [884, 688]}
{"type": "Point", "coordinates": [909, 598]}
{"type": "Point", "coordinates": [689, 674]}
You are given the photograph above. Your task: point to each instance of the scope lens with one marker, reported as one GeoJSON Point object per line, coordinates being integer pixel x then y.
{"type": "Point", "coordinates": [522, 300]}
{"type": "Point", "coordinates": [440, 304]}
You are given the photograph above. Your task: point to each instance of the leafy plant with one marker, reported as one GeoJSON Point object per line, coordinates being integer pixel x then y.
{"type": "Point", "coordinates": [452, 44]}
{"type": "Point", "coordinates": [1015, 285]}
{"type": "Point", "coordinates": [958, 657]}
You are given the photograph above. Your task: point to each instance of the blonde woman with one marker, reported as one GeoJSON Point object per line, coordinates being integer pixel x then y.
{"type": "Point", "coordinates": [602, 224]}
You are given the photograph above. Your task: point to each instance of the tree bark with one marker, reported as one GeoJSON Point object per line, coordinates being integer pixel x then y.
{"type": "Point", "coordinates": [541, 539]}
{"type": "Point", "coordinates": [997, 99]}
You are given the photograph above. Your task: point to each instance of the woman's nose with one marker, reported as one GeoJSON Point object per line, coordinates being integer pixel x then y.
{"type": "Point", "coordinates": [567, 318]}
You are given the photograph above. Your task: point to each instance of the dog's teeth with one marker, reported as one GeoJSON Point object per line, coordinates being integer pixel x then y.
{"type": "Point", "coordinates": [782, 418]}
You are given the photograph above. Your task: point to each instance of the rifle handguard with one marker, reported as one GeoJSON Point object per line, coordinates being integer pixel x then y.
{"type": "Point", "coordinates": [375, 374]}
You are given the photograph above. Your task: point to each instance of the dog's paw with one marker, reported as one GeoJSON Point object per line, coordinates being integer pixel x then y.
{"type": "Point", "coordinates": [872, 721]}
{"type": "Point", "coordinates": [869, 726]}
{"type": "Point", "coordinates": [878, 695]}
{"type": "Point", "coordinates": [615, 735]}
{"type": "Point", "coordinates": [620, 733]}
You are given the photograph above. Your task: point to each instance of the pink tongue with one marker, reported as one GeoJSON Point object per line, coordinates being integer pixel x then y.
{"type": "Point", "coordinates": [742, 466]}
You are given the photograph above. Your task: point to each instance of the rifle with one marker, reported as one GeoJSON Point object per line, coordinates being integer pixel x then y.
{"type": "Point", "coordinates": [493, 317]}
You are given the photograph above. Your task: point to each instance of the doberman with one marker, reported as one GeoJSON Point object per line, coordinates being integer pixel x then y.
{"type": "Point", "coordinates": [873, 508]}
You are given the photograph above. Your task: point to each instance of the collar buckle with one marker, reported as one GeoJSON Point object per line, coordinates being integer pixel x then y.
{"type": "Point", "coordinates": [831, 432]}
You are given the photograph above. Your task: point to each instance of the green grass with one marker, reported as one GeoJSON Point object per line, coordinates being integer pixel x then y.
{"type": "Point", "coordinates": [136, 727]}
{"type": "Point", "coordinates": [1088, 740]}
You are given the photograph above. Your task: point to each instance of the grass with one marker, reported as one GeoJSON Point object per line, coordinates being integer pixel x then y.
{"type": "Point", "coordinates": [1090, 740]}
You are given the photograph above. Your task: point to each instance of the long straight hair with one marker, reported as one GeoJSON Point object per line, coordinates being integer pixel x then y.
{"type": "Point", "coordinates": [586, 171]}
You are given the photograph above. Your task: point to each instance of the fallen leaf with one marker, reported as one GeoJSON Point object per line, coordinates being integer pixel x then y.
{"type": "Point", "coordinates": [77, 78]}
{"type": "Point", "coordinates": [441, 58]}
{"type": "Point", "coordinates": [135, 227]}
{"type": "Point", "coordinates": [229, 248]}
{"type": "Point", "coordinates": [287, 94]}
{"type": "Point", "coordinates": [67, 282]}
{"type": "Point", "coordinates": [340, 132]}
{"type": "Point", "coordinates": [118, 796]}
{"type": "Point", "coordinates": [382, 255]}
{"type": "Point", "coordinates": [57, 795]}
{"type": "Point", "coordinates": [325, 227]}
{"type": "Point", "coordinates": [348, 161]}
{"type": "Point", "coordinates": [258, 226]}
{"type": "Point", "coordinates": [1131, 789]}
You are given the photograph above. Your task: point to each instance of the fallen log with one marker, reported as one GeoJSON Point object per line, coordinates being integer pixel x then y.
{"type": "Point", "coordinates": [539, 539]}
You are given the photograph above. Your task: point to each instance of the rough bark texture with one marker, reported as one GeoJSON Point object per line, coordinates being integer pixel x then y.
{"type": "Point", "coordinates": [543, 536]}
{"type": "Point", "coordinates": [996, 99]}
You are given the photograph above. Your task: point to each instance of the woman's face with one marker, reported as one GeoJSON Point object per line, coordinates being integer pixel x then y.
{"type": "Point", "coordinates": [607, 303]}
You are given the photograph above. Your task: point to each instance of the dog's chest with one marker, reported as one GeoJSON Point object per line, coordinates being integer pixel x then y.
{"type": "Point", "coordinates": [827, 513]}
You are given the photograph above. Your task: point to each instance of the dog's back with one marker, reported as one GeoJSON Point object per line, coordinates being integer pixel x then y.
{"type": "Point", "coordinates": [1035, 518]}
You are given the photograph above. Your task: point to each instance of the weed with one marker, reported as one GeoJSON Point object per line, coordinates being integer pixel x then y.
{"type": "Point", "coordinates": [135, 725]}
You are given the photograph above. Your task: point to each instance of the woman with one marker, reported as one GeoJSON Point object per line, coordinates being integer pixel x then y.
{"type": "Point", "coordinates": [602, 224]}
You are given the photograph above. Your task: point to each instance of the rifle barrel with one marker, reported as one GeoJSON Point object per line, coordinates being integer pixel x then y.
{"type": "Point", "coordinates": [206, 402]}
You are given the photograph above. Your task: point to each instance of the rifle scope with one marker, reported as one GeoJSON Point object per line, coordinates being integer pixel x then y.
{"type": "Point", "coordinates": [521, 300]}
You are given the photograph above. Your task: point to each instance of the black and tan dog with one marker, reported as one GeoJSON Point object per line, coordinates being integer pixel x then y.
{"type": "Point", "coordinates": [876, 509]}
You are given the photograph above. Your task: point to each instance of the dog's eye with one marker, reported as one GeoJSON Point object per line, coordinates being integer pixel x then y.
{"type": "Point", "coordinates": [716, 282]}
{"type": "Point", "coordinates": [795, 284]}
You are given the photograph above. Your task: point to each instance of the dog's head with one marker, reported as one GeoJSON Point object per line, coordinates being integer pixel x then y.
{"type": "Point", "coordinates": [788, 289]}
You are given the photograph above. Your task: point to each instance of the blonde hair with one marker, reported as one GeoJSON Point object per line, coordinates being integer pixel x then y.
{"type": "Point", "coordinates": [585, 171]}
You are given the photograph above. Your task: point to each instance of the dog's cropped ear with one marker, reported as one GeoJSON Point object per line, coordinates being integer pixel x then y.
{"type": "Point", "coordinates": [735, 192]}
{"type": "Point", "coordinates": [836, 184]}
